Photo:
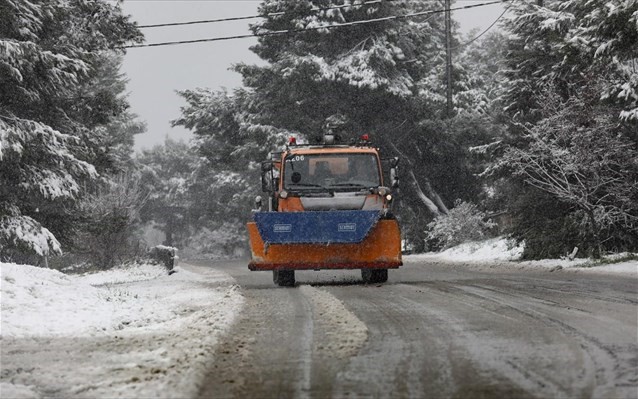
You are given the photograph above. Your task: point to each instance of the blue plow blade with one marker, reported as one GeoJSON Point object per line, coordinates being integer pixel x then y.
{"type": "Point", "coordinates": [324, 227]}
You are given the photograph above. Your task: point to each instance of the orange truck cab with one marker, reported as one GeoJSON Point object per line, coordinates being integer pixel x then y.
{"type": "Point", "coordinates": [327, 208]}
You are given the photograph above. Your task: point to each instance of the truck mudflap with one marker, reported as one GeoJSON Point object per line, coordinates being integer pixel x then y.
{"type": "Point", "coordinates": [324, 240]}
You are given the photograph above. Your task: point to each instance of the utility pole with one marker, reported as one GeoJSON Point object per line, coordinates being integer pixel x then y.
{"type": "Point", "coordinates": [448, 58]}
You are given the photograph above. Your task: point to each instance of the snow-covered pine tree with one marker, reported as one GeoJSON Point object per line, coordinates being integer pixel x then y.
{"type": "Point", "coordinates": [167, 176]}
{"type": "Point", "coordinates": [49, 50]}
{"type": "Point", "coordinates": [384, 78]}
{"type": "Point", "coordinates": [564, 43]}
{"type": "Point", "coordinates": [478, 66]}
{"type": "Point", "coordinates": [231, 139]}
{"type": "Point", "coordinates": [581, 57]}
{"type": "Point", "coordinates": [607, 33]}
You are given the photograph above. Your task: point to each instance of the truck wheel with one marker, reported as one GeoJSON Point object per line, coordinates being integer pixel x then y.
{"type": "Point", "coordinates": [374, 276]}
{"type": "Point", "coordinates": [366, 275]}
{"type": "Point", "coordinates": [380, 275]}
{"type": "Point", "coordinates": [284, 278]}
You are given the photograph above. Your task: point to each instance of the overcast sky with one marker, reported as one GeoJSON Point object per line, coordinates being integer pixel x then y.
{"type": "Point", "coordinates": [156, 73]}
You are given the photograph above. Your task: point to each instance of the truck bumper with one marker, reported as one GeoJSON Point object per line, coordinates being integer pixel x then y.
{"type": "Point", "coordinates": [380, 249]}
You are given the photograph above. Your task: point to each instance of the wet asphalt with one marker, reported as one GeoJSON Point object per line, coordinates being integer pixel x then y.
{"type": "Point", "coordinates": [434, 331]}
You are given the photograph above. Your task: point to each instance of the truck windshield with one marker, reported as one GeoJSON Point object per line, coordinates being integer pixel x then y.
{"type": "Point", "coordinates": [336, 172]}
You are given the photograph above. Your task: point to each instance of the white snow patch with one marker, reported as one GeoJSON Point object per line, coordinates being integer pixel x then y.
{"type": "Point", "coordinates": [17, 391]}
{"type": "Point", "coordinates": [23, 230]}
{"type": "Point", "coordinates": [153, 333]}
{"type": "Point", "coordinates": [628, 267]}
{"type": "Point", "coordinates": [503, 252]}
{"type": "Point", "coordinates": [123, 274]}
{"type": "Point", "coordinates": [345, 333]}
{"type": "Point", "coordinates": [45, 302]}
{"type": "Point", "coordinates": [479, 251]}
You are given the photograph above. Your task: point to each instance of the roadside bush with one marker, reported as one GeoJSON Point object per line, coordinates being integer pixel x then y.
{"type": "Point", "coordinates": [465, 222]}
{"type": "Point", "coordinates": [551, 228]}
{"type": "Point", "coordinates": [109, 222]}
{"type": "Point", "coordinates": [221, 242]}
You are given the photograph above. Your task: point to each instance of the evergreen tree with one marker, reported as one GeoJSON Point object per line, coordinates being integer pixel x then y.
{"type": "Point", "coordinates": [167, 173]}
{"type": "Point", "coordinates": [565, 43]}
{"type": "Point", "coordinates": [381, 78]}
{"type": "Point", "coordinates": [52, 54]}
{"type": "Point", "coordinates": [572, 97]}
{"type": "Point", "coordinates": [385, 78]}
{"type": "Point", "coordinates": [230, 142]}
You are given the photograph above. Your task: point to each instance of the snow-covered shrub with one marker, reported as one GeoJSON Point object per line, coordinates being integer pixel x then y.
{"type": "Point", "coordinates": [21, 235]}
{"type": "Point", "coordinates": [109, 219]}
{"type": "Point", "coordinates": [465, 222]}
{"type": "Point", "coordinates": [222, 243]}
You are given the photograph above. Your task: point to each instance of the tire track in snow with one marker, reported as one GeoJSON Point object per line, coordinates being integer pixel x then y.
{"type": "Point", "coordinates": [599, 363]}
{"type": "Point", "coordinates": [293, 342]}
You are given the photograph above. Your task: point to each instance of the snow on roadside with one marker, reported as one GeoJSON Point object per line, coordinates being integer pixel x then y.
{"type": "Point", "coordinates": [489, 250]}
{"type": "Point", "coordinates": [506, 253]}
{"type": "Point", "coordinates": [41, 302]}
{"type": "Point", "coordinates": [495, 249]}
{"type": "Point", "coordinates": [628, 267]}
{"type": "Point", "coordinates": [130, 332]}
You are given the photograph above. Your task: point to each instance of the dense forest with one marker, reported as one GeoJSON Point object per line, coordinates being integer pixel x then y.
{"type": "Point", "coordinates": [541, 143]}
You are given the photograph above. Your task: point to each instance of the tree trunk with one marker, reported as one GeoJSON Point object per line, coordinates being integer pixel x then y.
{"type": "Point", "coordinates": [597, 251]}
{"type": "Point", "coordinates": [430, 204]}
{"type": "Point", "coordinates": [429, 197]}
{"type": "Point", "coordinates": [170, 225]}
{"type": "Point", "coordinates": [436, 198]}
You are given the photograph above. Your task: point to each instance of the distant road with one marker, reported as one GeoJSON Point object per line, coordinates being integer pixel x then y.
{"type": "Point", "coordinates": [434, 330]}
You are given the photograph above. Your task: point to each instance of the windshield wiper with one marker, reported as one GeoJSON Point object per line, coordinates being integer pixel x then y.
{"type": "Point", "coordinates": [309, 189]}
{"type": "Point", "coordinates": [350, 185]}
{"type": "Point", "coordinates": [305, 185]}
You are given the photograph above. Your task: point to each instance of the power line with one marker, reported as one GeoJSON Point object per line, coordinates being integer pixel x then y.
{"type": "Point", "coordinates": [273, 14]}
{"type": "Point", "coordinates": [482, 33]}
{"type": "Point", "coordinates": [283, 32]}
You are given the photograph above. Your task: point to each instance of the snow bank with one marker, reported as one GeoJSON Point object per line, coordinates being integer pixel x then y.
{"type": "Point", "coordinates": [495, 249]}
{"type": "Point", "coordinates": [628, 267]}
{"type": "Point", "coordinates": [505, 253]}
{"type": "Point", "coordinates": [44, 302]}
{"type": "Point", "coordinates": [129, 332]}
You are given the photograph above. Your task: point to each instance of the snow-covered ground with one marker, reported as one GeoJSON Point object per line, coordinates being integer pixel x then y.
{"type": "Point", "coordinates": [506, 253]}
{"type": "Point", "coordinates": [138, 332]}
{"type": "Point", "coordinates": [130, 332]}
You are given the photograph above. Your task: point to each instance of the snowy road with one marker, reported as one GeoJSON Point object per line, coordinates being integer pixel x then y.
{"type": "Point", "coordinates": [431, 331]}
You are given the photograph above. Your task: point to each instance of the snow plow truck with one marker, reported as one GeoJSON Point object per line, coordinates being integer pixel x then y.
{"type": "Point", "coordinates": [327, 208]}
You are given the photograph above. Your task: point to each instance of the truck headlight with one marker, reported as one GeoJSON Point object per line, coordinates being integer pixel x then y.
{"type": "Point", "coordinates": [283, 194]}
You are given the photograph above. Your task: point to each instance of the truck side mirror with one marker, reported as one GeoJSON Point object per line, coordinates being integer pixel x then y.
{"type": "Point", "coordinates": [266, 185]}
{"type": "Point", "coordinates": [394, 176]}
{"type": "Point", "coordinates": [264, 182]}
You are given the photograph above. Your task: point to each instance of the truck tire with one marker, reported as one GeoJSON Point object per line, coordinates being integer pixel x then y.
{"type": "Point", "coordinates": [284, 278]}
{"type": "Point", "coordinates": [374, 276]}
